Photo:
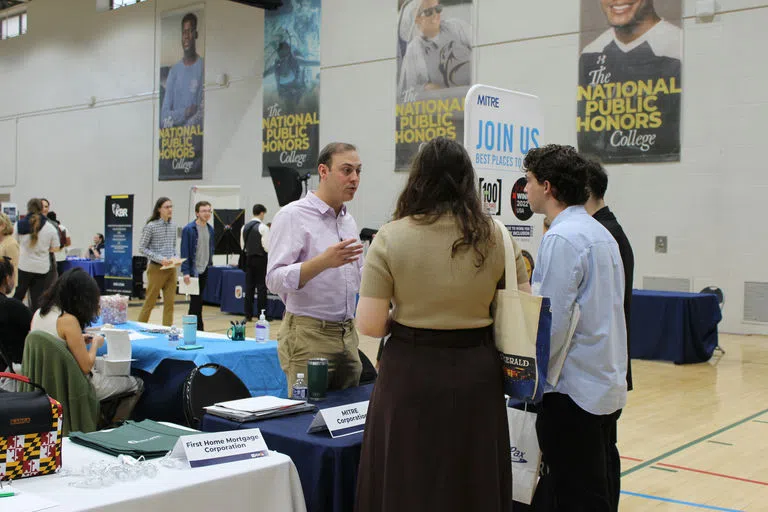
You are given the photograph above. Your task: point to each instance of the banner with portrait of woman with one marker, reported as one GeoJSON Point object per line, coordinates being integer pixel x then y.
{"type": "Point", "coordinates": [630, 86]}
{"type": "Point", "coordinates": [182, 81]}
{"type": "Point", "coordinates": [434, 72]}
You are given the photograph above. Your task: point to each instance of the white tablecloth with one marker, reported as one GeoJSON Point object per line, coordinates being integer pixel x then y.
{"type": "Point", "coordinates": [266, 484]}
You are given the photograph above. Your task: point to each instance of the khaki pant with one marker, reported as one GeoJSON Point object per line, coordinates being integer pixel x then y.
{"type": "Point", "coordinates": [159, 280]}
{"type": "Point", "coordinates": [301, 338]}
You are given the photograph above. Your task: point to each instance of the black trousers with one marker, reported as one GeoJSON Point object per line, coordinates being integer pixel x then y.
{"type": "Point", "coordinates": [255, 280]}
{"type": "Point", "coordinates": [35, 283]}
{"type": "Point", "coordinates": [581, 466]}
{"type": "Point", "coordinates": [196, 301]}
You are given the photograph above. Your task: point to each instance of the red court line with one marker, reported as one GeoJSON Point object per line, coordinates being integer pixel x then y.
{"type": "Point", "coordinates": [713, 474]}
{"type": "Point", "coordinates": [700, 471]}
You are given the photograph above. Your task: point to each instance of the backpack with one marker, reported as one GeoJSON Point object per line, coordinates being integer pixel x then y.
{"type": "Point", "coordinates": [62, 236]}
{"type": "Point", "coordinates": [62, 233]}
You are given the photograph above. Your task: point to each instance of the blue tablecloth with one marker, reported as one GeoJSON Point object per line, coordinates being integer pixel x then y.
{"type": "Point", "coordinates": [674, 326]}
{"type": "Point", "coordinates": [232, 297]}
{"type": "Point", "coordinates": [163, 369]}
{"type": "Point", "coordinates": [93, 267]}
{"type": "Point", "coordinates": [327, 467]}
{"type": "Point", "coordinates": [256, 364]}
{"type": "Point", "coordinates": [225, 287]}
{"type": "Point", "coordinates": [212, 291]}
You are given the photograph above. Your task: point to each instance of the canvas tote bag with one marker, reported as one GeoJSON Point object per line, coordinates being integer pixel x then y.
{"type": "Point", "coordinates": [521, 325]}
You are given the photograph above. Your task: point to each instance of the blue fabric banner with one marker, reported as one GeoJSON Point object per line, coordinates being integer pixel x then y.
{"type": "Point", "coordinates": [118, 244]}
{"type": "Point", "coordinates": [291, 124]}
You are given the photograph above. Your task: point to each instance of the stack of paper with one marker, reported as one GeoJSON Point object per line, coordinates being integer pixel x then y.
{"type": "Point", "coordinates": [258, 408]}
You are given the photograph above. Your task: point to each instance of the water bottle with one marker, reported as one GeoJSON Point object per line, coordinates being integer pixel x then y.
{"type": "Point", "coordinates": [299, 388]}
{"type": "Point", "coordinates": [262, 328]}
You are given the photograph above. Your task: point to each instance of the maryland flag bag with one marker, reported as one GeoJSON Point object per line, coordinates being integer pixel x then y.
{"type": "Point", "coordinates": [30, 432]}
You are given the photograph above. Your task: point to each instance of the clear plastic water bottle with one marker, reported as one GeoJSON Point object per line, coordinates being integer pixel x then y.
{"type": "Point", "coordinates": [299, 388]}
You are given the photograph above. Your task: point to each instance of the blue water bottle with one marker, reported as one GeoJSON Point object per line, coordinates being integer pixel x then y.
{"type": "Point", "coordinates": [190, 329]}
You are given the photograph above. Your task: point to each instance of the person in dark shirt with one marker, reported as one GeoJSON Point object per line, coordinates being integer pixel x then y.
{"type": "Point", "coordinates": [15, 318]}
{"type": "Point", "coordinates": [96, 251]}
{"type": "Point", "coordinates": [630, 87]}
{"type": "Point", "coordinates": [597, 184]}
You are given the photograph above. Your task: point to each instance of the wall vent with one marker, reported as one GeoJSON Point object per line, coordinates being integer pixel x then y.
{"type": "Point", "coordinates": [667, 284]}
{"type": "Point", "coordinates": [755, 302]}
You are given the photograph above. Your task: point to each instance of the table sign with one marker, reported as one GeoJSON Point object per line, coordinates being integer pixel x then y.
{"type": "Point", "coordinates": [341, 421]}
{"type": "Point", "coordinates": [220, 447]}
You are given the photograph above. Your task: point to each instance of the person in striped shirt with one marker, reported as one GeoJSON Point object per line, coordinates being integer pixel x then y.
{"type": "Point", "coordinates": [158, 244]}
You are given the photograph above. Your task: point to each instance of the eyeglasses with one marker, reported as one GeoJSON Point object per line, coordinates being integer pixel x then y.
{"type": "Point", "coordinates": [429, 11]}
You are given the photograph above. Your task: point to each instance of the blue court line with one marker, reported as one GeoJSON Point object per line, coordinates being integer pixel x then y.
{"type": "Point", "coordinates": [664, 469]}
{"type": "Point", "coordinates": [720, 442]}
{"type": "Point", "coordinates": [761, 421]}
{"type": "Point", "coordinates": [679, 502]}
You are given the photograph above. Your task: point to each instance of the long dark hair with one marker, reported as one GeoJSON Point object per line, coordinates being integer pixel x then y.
{"type": "Point", "coordinates": [74, 292]}
{"type": "Point", "coordinates": [35, 214]}
{"type": "Point", "coordinates": [156, 210]}
{"type": "Point", "coordinates": [442, 180]}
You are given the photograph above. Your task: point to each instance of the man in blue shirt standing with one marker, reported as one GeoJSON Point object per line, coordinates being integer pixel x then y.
{"type": "Point", "coordinates": [197, 247]}
{"type": "Point", "coordinates": [579, 267]}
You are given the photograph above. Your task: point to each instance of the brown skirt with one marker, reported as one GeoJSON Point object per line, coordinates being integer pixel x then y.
{"type": "Point", "coordinates": [436, 436]}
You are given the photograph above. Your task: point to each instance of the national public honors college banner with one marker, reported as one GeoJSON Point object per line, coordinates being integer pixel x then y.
{"type": "Point", "coordinates": [291, 124]}
{"type": "Point", "coordinates": [434, 72]}
{"type": "Point", "coordinates": [630, 87]}
{"type": "Point", "coordinates": [182, 79]}
{"type": "Point", "coordinates": [118, 244]}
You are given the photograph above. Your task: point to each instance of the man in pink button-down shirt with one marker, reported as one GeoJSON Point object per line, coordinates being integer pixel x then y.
{"type": "Point", "coordinates": [314, 265]}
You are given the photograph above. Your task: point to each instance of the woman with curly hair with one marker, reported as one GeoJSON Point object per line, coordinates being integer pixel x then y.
{"type": "Point", "coordinates": [37, 238]}
{"type": "Point", "coordinates": [436, 435]}
{"type": "Point", "coordinates": [66, 309]}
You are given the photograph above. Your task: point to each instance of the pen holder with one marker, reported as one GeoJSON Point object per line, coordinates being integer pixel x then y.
{"type": "Point", "coordinates": [190, 329]}
{"type": "Point", "coordinates": [236, 332]}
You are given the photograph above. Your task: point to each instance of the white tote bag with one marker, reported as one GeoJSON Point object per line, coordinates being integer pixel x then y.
{"type": "Point", "coordinates": [526, 455]}
{"type": "Point", "coordinates": [521, 326]}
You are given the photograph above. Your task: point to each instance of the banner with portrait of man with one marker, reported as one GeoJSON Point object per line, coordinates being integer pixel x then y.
{"type": "Point", "coordinates": [630, 86]}
{"type": "Point", "coordinates": [182, 80]}
{"type": "Point", "coordinates": [434, 73]}
{"type": "Point", "coordinates": [291, 123]}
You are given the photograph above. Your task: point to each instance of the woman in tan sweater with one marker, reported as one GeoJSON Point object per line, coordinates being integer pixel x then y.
{"type": "Point", "coordinates": [436, 434]}
{"type": "Point", "coordinates": [9, 246]}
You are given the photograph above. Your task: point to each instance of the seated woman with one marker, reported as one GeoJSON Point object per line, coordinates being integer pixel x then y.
{"type": "Point", "coordinates": [96, 251]}
{"type": "Point", "coordinates": [14, 325]}
{"type": "Point", "coordinates": [68, 306]}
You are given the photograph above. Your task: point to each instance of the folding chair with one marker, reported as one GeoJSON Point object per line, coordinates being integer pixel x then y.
{"type": "Point", "coordinates": [201, 390]}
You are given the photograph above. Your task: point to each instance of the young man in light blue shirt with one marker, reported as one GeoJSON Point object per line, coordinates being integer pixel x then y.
{"type": "Point", "coordinates": [579, 267]}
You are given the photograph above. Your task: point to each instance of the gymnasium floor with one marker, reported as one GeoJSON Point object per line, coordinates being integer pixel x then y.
{"type": "Point", "coordinates": [692, 437]}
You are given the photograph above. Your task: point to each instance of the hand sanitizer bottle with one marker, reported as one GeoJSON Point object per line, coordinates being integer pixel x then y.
{"type": "Point", "coordinates": [262, 328]}
{"type": "Point", "coordinates": [299, 391]}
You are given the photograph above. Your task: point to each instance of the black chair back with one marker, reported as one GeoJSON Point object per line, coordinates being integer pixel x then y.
{"type": "Point", "coordinates": [202, 390]}
{"type": "Point", "coordinates": [369, 371]}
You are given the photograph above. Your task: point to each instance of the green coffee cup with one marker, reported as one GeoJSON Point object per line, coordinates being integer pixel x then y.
{"type": "Point", "coordinates": [317, 378]}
